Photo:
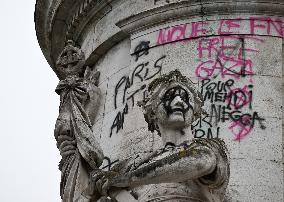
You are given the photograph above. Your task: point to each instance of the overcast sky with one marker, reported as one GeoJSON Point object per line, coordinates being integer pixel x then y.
{"type": "Point", "coordinates": [29, 108]}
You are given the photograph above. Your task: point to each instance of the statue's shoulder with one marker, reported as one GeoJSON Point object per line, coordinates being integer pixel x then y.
{"type": "Point", "coordinates": [218, 145]}
{"type": "Point", "coordinates": [218, 179]}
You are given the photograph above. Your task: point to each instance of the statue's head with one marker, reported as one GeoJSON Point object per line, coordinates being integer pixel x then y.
{"type": "Point", "coordinates": [71, 61]}
{"type": "Point", "coordinates": [172, 101]}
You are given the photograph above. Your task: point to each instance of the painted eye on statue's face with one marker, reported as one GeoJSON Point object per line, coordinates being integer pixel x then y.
{"type": "Point", "coordinates": [176, 99]}
{"type": "Point", "coordinates": [175, 109]}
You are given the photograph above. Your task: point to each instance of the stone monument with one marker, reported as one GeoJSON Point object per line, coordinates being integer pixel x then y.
{"type": "Point", "coordinates": [186, 168]}
{"type": "Point", "coordinates": [155, 95]}
{"type": "Point", "coordinates": [79, 99]}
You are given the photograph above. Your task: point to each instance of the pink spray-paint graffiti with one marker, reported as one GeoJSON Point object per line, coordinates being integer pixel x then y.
{"type": "Point", "coordinates": [266, 26]}
{"type": "Point", "coordinates": [228, 103]}
{"type": "Point", "coordinates": [224, 55]}
{"type": "Point", "coordinates": [240, 97]}
{"type": "Point", "coordinates": [181, 32]}
{"type": "Point", "coordinates": [228, 58]}
{"type": "Point", "coordinates": [226, 68]}
{"type": "Point", "coordinates": [244, 124]}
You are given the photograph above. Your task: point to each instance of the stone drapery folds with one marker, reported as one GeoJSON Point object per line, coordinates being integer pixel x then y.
{"type": "Point", "coordinates": [79, 100]}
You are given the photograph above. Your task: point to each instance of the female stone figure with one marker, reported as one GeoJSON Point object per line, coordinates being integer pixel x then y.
{"type": "Point", "coordinates": [79, 99]}
{"type": "Point", "coordinates": [186, 169]}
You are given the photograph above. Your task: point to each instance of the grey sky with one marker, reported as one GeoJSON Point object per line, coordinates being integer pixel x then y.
{"type": "Point", "coordinates": [29, 108]}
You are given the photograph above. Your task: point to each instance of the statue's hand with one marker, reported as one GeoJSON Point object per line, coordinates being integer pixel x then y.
{"type": "Point", "coordinates": [67, 146]}
{"type": "Point", "coordinates": [101, 181]}
{"type": "Point", "coordinates": [66, 142]}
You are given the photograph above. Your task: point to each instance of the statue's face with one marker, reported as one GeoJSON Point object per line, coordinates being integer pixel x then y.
{"type": "Point", "coordinates": [176, 107]}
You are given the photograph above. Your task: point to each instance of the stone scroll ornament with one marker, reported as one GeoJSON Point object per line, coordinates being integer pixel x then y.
{"type": "Point", "coordinates": [186, 168]}
{"type": "Point", "coordinates": [79, 100]}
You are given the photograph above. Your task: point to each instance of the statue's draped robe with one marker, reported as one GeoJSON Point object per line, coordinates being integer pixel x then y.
{"type": "Point", "coordinates": [209, 188]}
{"type": "Point", "coordinates": [74, 129]}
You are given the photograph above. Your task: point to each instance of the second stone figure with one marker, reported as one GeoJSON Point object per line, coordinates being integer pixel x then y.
{"type": "Point", "coordinates": [186, 168]}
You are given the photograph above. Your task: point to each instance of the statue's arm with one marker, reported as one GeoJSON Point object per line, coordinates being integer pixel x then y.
{"type": "Point", "coordinates": [219, 178]}
{"type": "Point", "coordinates": [191, 163]}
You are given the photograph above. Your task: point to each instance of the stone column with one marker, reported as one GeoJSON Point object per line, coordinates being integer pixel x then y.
{"type": "Point", "coordinates": [232, 52]}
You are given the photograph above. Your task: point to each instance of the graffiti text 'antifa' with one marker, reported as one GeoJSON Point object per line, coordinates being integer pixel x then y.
{"type": "Point", "coordinates": [254, 26]}
{"type": "Point", "coordinates": [142, 72]}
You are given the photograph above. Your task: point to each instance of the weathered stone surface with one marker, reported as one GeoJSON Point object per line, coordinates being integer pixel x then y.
{"type": "Point", "coordinates": [231, 50]}
{"type": "Point", "coordinates": [79, 99]}
{"type": "Point", "coordinates": [183, 162]}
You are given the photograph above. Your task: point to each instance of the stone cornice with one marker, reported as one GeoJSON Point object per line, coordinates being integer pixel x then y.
{"type": "Point", "coordinates": [203, 8]}
{"type": "Point", "coordinates": [83, 14]}
{"type": "Point", "coordinates": [60, 20]}
{"type": "Point", "coordinates": [40, 18]}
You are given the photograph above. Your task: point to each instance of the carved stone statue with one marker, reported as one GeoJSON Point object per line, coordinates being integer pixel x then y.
{"type": "Point", "coordinates": [79, 99]}
{"type": "Point", "coordinates": [186, 168]}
